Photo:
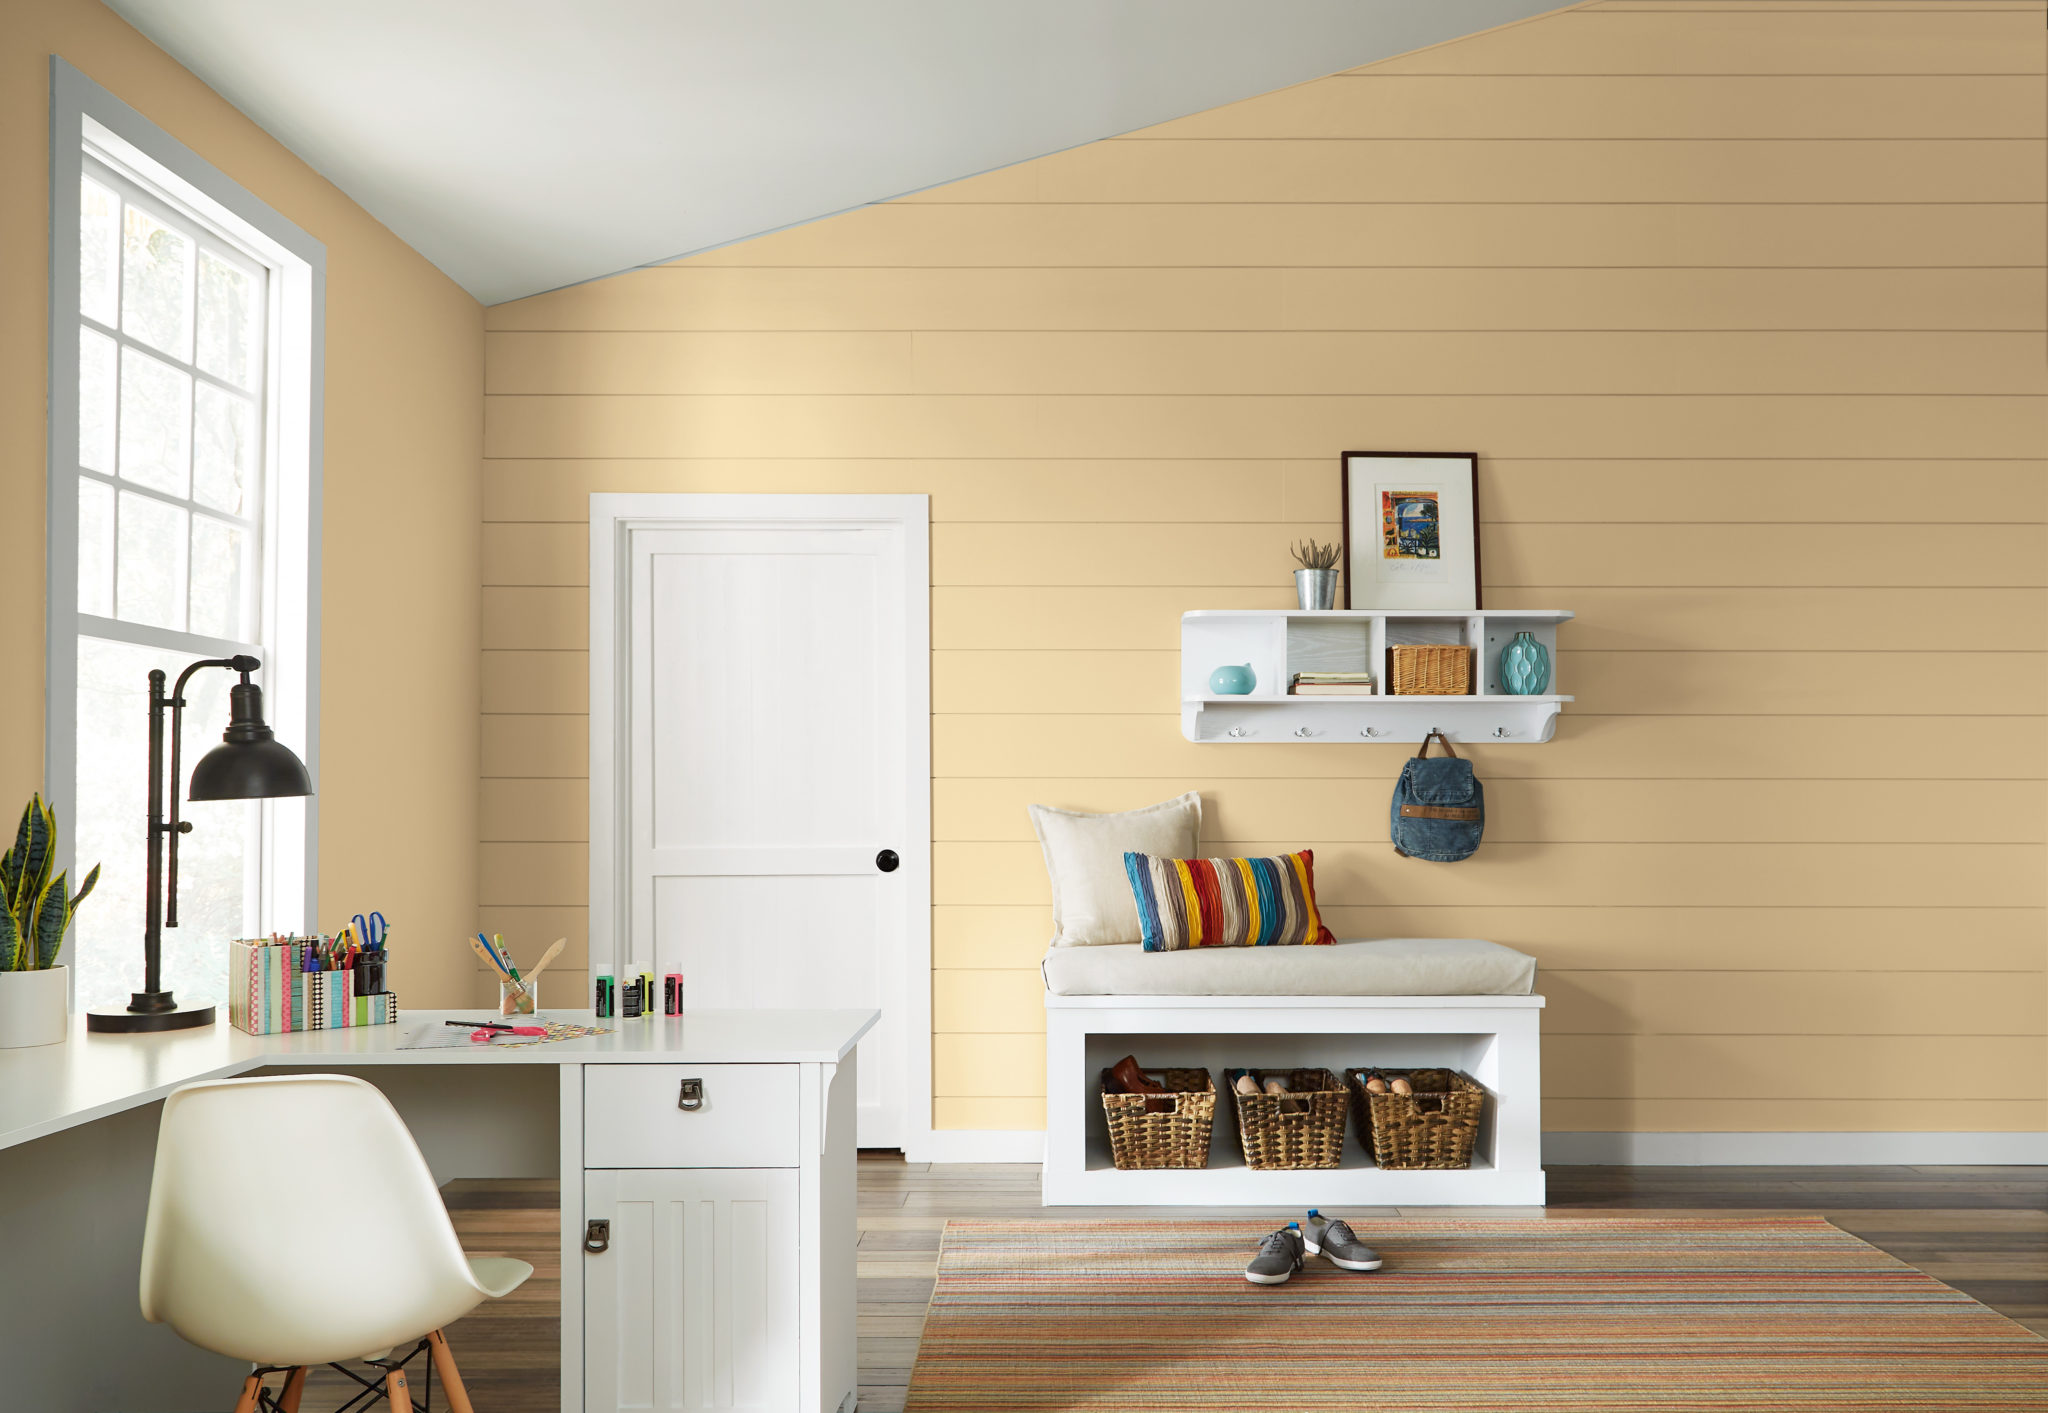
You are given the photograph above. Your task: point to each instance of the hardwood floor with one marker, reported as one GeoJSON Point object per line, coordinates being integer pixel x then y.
{"type": "Point", "coordinates": [1982, 1230]}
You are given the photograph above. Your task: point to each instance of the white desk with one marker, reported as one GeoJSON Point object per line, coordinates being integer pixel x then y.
{"type": "Point", "coordinates": [771, 1149]}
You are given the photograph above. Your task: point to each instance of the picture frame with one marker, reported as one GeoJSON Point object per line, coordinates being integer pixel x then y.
{"type": "Point", "coordinates": [1411, 530]}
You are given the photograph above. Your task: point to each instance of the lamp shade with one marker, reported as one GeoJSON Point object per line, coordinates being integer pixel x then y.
{"type": "Point", "coordinates": [249, 763]}
{"type": "Point", "coordinates": [249, 770]}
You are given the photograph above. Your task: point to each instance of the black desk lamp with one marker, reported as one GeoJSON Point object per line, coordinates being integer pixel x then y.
{"type": "Point", "coordinates": [249, 764]}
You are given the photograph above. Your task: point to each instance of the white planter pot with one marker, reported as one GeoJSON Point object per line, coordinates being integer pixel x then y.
{"type": "Point", "coordinates": [35, 1007]}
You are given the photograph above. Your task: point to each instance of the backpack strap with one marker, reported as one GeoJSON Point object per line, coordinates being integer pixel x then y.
{"type": "Point", "coordinates": [1435, 735]}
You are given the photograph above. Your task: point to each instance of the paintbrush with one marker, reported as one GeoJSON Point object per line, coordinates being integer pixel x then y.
{"type": "Point", "coordinates": [549, 955]}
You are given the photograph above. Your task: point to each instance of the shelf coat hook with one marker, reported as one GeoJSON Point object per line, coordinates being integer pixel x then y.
{"type": "Point", "coordinates": [1500, 733]}
{"type": "Point", "coordinates": [1368, 731]}
{"type": "Point", "coordinates": [1303, 732]}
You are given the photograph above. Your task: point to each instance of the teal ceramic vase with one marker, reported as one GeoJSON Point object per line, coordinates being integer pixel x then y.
{"type": "Point", "coordinates": [1524, 667]}
{"type": "Point", "coordinates": [1233, 681]}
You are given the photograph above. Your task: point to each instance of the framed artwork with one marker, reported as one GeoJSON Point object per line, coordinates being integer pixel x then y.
{"type": "Point", "coordinates": [1411, 530]}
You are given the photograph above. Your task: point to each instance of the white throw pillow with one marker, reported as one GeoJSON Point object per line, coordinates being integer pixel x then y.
{"type": "Point", "coordinates": [1092, 904]}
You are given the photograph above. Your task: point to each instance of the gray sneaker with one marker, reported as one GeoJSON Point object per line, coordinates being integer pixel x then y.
{"type": "Point", "coordinates": [1336, 1243]}
{"type": "Point", "coordinates": [1278, 1259]}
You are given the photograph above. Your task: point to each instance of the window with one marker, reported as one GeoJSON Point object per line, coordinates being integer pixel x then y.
{"type": "Point", "coordinates": [183, 494]}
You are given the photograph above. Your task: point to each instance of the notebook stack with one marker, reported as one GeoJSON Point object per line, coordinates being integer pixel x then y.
{"type": "Point", "coordinates": [295, 983]}
{"type": "Point", "coordinates": [1333, 684]}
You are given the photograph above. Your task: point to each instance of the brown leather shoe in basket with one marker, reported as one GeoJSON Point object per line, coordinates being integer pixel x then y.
{"type": "Point", "coordinates": [1130, 1079]}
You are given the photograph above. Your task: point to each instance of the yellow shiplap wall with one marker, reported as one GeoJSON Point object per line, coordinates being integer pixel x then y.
{"type": "Point", "coordinates": [1742, 305]}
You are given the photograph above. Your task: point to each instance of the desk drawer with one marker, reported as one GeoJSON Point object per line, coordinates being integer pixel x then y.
{"type": "Point", "coordinates": [746, 1118]}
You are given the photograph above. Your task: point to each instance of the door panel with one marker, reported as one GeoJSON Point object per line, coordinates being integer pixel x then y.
{"type": "Point", "coordinates": [763, 687]}
{"type": "Point", "coordinates": [817, 949]}
{"type": "Point", "coordinates": [694, 1307]}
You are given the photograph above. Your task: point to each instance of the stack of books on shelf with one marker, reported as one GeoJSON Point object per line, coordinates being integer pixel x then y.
{"type": "Point", "coordinates": [305, 983]}
{"type": "Point", "coordinates": [1333, 684]}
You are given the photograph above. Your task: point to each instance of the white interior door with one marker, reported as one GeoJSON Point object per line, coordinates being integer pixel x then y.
{"type": "Point", "coordinates": [773, 796]}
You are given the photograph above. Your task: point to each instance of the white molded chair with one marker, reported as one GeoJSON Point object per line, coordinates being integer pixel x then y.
{"type": "Point", "coordinates": [293, 1222]}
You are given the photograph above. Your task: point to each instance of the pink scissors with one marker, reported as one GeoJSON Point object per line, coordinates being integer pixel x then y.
{"type": "Point", "coordinates": [491, 1030]}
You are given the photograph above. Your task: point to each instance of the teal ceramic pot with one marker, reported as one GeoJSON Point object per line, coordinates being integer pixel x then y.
{"type": "Point", "coordinates": [1525, 667]}
{"type": "Point", "coordinates": [1233, 681]}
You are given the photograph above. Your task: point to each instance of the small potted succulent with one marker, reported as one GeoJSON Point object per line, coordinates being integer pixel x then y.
{"type": "Point", "coordinates": [1315, 583]}
{"type": "Point", "coordinates": [35, 912]}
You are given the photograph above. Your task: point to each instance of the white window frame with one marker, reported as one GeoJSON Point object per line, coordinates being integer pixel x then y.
{"type": "Point", "coordinates": [82, 113]}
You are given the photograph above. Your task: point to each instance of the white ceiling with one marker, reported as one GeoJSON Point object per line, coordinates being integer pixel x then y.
{"type": "Point", "coordinates": [522, 145]}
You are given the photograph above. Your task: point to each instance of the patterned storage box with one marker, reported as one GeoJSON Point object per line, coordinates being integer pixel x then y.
{"type": "Point", "coordinates": [270, 992]}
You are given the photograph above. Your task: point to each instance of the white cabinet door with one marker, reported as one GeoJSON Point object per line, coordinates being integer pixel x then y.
{"type": "Point", "coordinates": [694, 1306]}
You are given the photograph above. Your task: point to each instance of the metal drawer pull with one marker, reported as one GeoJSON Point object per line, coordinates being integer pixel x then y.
{"type": "Point", "coordinates": [692, 1097]}
{"type": "Point", "coordinates": [597, 1237]}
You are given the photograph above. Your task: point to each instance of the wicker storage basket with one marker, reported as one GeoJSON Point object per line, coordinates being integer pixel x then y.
{"type": "Point", "coordinates": [1435, 1127]}
{"type": "Point", "coordinates": [1430, 670]}
{"type": "Point", "coordinates": [1175, 1138]}
{"type": "Point", "coordinates": [1303, 1128]}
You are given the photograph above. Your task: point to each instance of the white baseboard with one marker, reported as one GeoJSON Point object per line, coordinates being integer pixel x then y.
{"type": "Point", "coordinates": [1781, 1149]}
{"type": "Point", "coordinates": [1705, 1150]}
{"type": "Point", "coordinates": [982, 1145]}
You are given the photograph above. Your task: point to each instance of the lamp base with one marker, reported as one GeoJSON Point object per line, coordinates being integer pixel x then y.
{"type": "Point", "coordinates": [137, 1022]}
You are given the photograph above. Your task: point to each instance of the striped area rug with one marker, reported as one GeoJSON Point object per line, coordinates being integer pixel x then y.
{"type": "Point", "coordinates": [1559, 1313]}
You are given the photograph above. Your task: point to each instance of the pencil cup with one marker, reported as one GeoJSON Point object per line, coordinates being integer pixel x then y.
{"type": "Point", "coordinates": [511, 1003]}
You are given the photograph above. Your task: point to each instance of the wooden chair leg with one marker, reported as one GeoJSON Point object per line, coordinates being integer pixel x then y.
{"type": "Point", "coordinates": [451, 1377]}
{"type": "Point", "coordinates": [294, 1387]}
{"type": "Point", "coordinates": [397, 1395]}
{"type": "Point", "coordinates": [251, 1387]}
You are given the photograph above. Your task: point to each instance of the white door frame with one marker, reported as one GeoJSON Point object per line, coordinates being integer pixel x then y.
{"type": "Point", "coordinates": [613, 518]}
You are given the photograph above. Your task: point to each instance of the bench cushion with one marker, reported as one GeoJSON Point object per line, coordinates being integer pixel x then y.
{"type": "Point", "coordinates": [1400, 966]}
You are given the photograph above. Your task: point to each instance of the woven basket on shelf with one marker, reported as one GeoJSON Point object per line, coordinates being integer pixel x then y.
{"type": "Point", "coordinates": [1435, 1127]}
{"type": "Point", "coordinates": [1177, 1137]}
{"type": "Point", "coordinates": [1430, 670]}
{"type": "Point", "coordinates": [1302, 1128]}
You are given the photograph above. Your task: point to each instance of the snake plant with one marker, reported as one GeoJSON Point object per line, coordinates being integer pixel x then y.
{"type": "Point", "coordinates": [35, 909]}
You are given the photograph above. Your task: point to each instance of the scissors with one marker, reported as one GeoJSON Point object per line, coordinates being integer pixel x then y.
{"type": "Point", "coordinates": [491, 1030]}
{"type": "Point", "coordinates": [371, 934]}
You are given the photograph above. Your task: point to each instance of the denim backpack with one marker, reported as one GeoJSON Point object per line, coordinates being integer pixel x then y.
{"type": "Point", "coordinates": [1439, 809]}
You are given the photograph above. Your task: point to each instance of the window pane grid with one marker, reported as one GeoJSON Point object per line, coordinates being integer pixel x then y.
{"type": "Point", "coordinates": [180, 547]}
{"type": "Point", "coordinates": [101, 478]}
{"type": "Point", "coordinates": [197, 373]}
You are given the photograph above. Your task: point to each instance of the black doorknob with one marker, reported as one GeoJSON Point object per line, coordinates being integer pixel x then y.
{"type": "Point", "coordinates": [887, 861]}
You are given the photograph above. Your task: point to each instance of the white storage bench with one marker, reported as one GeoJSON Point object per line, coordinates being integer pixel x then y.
{"type": "Point", "coordinates": [1350, 1004]}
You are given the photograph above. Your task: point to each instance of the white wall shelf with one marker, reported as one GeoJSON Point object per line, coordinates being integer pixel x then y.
{"type": "Point", "coordinates": [1277, 643]}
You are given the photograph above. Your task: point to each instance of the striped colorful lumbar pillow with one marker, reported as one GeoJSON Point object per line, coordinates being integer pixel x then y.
{"type": "Point", "coordinates": [1226, 902]}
